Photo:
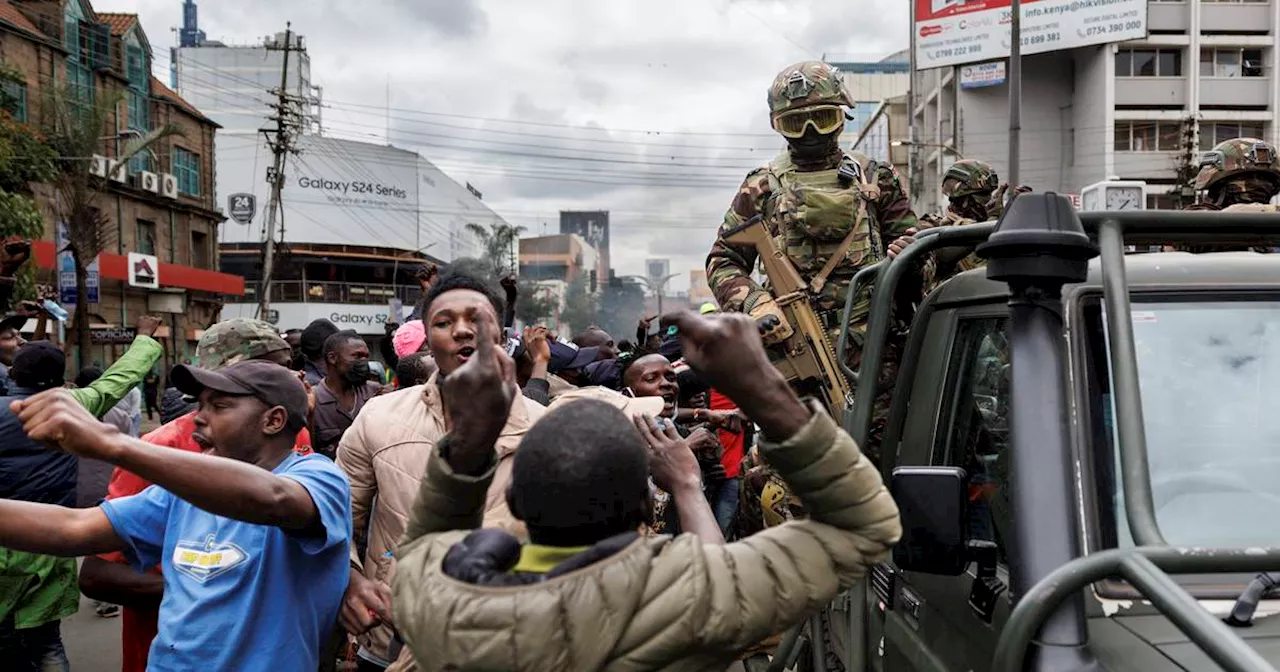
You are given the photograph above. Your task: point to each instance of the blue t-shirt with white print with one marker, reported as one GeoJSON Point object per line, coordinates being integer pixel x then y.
{"type": "Point", "coordinates": [239, 596]}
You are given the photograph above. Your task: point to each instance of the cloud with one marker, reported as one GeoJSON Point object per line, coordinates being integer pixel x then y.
{"type": "Point", "coordinates": [458, 19]}
{"type": "Point", "coordinates": [652, 110]}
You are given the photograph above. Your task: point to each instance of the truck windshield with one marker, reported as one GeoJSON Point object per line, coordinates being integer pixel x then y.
{"type": "Point", "coordinates": [1210, 378]}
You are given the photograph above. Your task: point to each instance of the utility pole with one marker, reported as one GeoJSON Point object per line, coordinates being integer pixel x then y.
{"type": "Point", "coordinates": [288, 121]}
{"type": "Point", "coordinates": [1015, 92]}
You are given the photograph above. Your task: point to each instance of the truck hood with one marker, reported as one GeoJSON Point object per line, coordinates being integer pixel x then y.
{"type": "Point", "coordinates": [1158, 633]}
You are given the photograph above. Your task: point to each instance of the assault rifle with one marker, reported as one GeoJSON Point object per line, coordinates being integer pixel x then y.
{"type": "Point", "coordinates": [806, 358]}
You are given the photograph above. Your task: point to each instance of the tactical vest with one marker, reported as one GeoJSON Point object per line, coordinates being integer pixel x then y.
{"type": "Point", "coordinates": [811, 213]}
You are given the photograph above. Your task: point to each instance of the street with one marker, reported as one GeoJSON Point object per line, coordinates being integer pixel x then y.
{"type": "Point", "coordinates": [93, 643]}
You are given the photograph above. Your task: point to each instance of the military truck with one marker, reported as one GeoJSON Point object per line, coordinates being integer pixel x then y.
{"type": "Point", "coordinates": [1067, 431]}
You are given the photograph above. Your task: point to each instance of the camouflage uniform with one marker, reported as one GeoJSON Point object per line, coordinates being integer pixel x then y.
{"type": "Point", "coordinates": [237, 340]}
{"type": "Point", "coordinates": [975, 194]}
{"type": "Point", "coordinates": [809, 210]}
{"type": "Point", "coordinates": [1238, 175]}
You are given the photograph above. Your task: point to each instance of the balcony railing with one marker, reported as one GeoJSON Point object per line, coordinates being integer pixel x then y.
{"type": "Point", "coordinates": [297, 291]}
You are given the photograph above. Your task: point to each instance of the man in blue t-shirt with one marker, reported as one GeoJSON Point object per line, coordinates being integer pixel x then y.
{"type": "Point", "coordinates": [253, 539]}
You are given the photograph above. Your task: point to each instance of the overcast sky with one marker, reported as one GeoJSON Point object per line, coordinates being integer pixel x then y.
{"type": "Point", "coordinates": [667, 97]}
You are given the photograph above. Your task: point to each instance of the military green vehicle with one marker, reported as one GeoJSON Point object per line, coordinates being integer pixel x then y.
{"type": "Point", "coordinates": [1067, 432]}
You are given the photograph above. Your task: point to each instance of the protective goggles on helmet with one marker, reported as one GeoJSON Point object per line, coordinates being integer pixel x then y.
{"type": "Point", "coordinates": [824, 119]}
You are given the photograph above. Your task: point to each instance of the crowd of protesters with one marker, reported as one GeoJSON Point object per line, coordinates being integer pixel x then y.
{"type": "Point", "coordinates": [314, 518]}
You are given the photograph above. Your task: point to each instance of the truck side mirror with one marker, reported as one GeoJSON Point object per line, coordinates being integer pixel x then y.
{"type": "Point", "coordinates": [932, 504]}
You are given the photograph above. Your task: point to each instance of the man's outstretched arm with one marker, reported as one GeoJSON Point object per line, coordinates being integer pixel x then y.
{"type": "Point", "coordinates": [221, 486]}
{"type": "Point", "coordinates": [56, 530]}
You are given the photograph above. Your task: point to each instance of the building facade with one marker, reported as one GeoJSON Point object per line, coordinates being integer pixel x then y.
{"type": "Point", "coordinates": [883, 135]}
{"type": "Point", "coordinates": [593, 227]}
{"type": "Point", "coordinates": [870, 83]}
{"type": "Point", "coordinates": [160, 204]}
{"type": "Point", "coordinates": [1139, 110]}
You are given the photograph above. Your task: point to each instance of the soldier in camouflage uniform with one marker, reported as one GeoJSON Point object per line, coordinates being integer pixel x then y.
{"type": "Point", "coordinates": [974, 194]}
{"type": "Point", "coordinates": [1238, 175]}
{"type": "Point", "coordinates": [817, 201]}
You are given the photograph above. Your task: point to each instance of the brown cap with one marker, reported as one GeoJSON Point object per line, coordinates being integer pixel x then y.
{"type": "Point", "coordinates": [272, 384]}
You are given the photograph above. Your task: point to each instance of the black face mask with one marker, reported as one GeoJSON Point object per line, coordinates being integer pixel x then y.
{"type": "Point", "coordinates": [814, 147]}
{"type": "Point", "coordinates": [358, 373]}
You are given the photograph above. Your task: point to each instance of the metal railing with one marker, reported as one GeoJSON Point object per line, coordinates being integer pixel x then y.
{"type": "Point", "coordinates": [297, 291]}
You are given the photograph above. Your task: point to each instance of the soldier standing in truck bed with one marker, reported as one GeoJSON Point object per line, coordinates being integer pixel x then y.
{"type": "Point", "coordinates": [1238, 175]}
{"type": "Point", "coordinates": [833, 212]}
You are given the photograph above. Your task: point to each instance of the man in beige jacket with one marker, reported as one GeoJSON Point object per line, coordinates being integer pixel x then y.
{"type": "Point", "coordinates": [587, 593]}
{"type": "Point", "coordinates": [386, 449]}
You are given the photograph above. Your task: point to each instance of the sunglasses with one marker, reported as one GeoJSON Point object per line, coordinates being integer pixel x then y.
{"type": "Point", "coordinates": [825, 119]}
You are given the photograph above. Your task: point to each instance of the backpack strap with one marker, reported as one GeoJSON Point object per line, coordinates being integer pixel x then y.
{"type": "Point", "coordinates": [864, 177]}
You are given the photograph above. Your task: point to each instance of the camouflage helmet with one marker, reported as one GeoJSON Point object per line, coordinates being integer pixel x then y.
{"type": "Point", "coordinates": [806, 84]}
{"type": "Point", "coordinates": [1235, 158]}
{"type": "Point", "coordinates": [237, 340]}
{"type": "Point", "coordinates": [969, 176]}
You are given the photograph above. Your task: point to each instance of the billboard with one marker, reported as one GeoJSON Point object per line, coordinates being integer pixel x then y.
{"type": "Point", "coordinates": [342, 192]}
{"type": "Point", "coordinates": [955, 32]}
{"type": "Point", "coordinates": [657, 269]}
{"type": "Point", "coordinates": [67, 271]}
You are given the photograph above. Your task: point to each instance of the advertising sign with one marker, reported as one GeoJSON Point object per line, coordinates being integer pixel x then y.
{"type": "Point", "coordinates": [144, 271]}
{"type": "Point", "coordinates": [109, 336]}
{"type": "Point", "coordinates": [982, 74]}
{"type": "Point", "coordinates": [241, 207]}
{"type": "Point", "coordinates": [342, 192]}
{"type": "Point", "coordinates": [67, 271]}
{"type": "Point", "coordinates": [955, 32]}
{"type": "Point", "coordinates": [363, 319]}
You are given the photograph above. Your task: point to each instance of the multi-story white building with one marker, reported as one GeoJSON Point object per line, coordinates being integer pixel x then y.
{"type": "Point", "coordinates": [1141, 110]}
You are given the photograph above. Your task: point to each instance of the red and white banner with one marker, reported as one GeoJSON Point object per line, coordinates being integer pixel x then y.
{"type": "Point", "coordinates": [953, 32]}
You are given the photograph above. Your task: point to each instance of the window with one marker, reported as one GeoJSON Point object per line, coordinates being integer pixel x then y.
{"type": "Point", "coordinates": [1208, 372]}
{"type": "Point", "coordinates": [977, 436]}
{"type": "Point", "coordinates": [136, 68]}
{"type": "Point", "coordinates": [1231, 62]}
{"type": "Point", "coordinates": [186, 167]}
{"type": "Point", "coordinates": [1214, 132]}
{"type": "Point", "coordinates": [200, 250]}
{"type": "Point", "coordinates": [1149, 63]}
{"type": "Point", "coordinates": [146, 234]}
{"type": "Point", "coordinates": [1148, 136]}
{"type": "Point", "coordinates": [13, 97]}
{"type": "Point", "coordinates": [1162, 202]}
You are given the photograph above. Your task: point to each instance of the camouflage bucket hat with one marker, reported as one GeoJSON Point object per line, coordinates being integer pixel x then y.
{"type": "Point", "coordinates": [969, 176]}
{"type": "Point", "coordinates": [806, 84]}
{"type": "Point", "coordinates": [237, 340]}
{"type": "Point", "coordinates": [1237, 157]}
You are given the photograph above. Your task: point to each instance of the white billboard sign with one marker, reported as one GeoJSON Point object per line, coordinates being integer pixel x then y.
{"type": "Point", "coordinates": [955, 32]}
{"type": "Point", "coordinates": [363, 319]}
{"type": "Point", "coordinates": [342, 192]}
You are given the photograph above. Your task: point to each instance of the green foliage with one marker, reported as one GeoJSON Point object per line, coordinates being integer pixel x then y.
{"type": "Point", "coordinates": [24, 156]}
{"type": "Point", "coordinates": [579, 306]}
{"type": "Point", "coordinates": [619, 309]}
{"type": "Point", "coordinates": [20, 216]}
{"type": "Point", "coordinates": [532, 307]}
{"type": "Point", "coordinates": [497, 246]}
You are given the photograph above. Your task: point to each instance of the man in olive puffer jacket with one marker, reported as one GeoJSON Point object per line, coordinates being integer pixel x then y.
{"type": "Point", "coordinates": [589, 594]}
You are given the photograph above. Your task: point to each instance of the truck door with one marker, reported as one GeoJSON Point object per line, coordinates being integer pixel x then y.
{"type": "Point", "coordinates": [959, 418]}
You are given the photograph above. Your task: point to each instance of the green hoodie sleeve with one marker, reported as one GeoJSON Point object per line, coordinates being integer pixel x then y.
{"type": "Point", "coordinates": [122, 376]}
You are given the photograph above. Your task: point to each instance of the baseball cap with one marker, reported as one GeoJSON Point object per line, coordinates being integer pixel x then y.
{"type": "Point", "coordinates": [39, 365]}
{"type": "Point", "coordinates": [13, 321]}
{"type": "Point", "coordinates": [606, 372]}
{"type": "Point", "coordinates": [237, 340]}
{"type": "Point", "coordinates": [566, 357]}
{"type": "Point", "coordinates": [269, 382]}
{"type": "Point", "coordinates": [632, 407]}
{"type": "Point", "coordinates": [708, 307]}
